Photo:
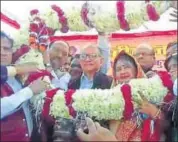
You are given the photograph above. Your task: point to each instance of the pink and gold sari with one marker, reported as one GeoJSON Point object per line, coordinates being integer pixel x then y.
{"type": "Point", "coordinates": [126, 130]}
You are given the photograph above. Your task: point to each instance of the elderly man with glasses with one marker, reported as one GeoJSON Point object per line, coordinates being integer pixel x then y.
{"type": "Point", "coordinates": [91, 61]}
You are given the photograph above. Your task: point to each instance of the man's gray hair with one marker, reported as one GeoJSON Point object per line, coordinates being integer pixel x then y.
{"type": "Point", "coordinates": [146, 45]}
{"type": "Point", "coordinates": [59, 42]}
{"type": "Point", "coordinates": [92, 46]}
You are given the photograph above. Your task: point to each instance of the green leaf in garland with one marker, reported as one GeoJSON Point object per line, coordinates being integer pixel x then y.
{"type": "Point", "coordinates": [51, 19]}
{"type": "Point", "coordinates": [75, 22]}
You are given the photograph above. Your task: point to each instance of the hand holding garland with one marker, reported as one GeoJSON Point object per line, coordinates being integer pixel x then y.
{"type": "Point", "coordinates": [150, 109]}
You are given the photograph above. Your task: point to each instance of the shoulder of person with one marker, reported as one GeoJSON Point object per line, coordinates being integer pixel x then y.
{"type": "Point", "coordinates": [74, 83]}
{"type": "Point", "coordinates": [101, 78]}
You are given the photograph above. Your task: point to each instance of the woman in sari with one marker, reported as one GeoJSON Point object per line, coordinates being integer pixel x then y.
{"type": "Point", "coordinates": [126, 68]}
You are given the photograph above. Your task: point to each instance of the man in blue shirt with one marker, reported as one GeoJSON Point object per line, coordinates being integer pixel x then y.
{"type": "Point", "coordinates": [91, 61]}
{"type": "Point", "coordinates": [59, 52]}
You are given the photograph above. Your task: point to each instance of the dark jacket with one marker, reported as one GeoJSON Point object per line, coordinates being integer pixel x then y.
{"type": "Point", "coordinates": [100, 81]}
{"type": "Point", "coordinates": [4, 74]}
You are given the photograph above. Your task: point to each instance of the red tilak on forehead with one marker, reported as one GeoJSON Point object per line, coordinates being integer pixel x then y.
{"type": "Point", "coordinates": [142, 54]}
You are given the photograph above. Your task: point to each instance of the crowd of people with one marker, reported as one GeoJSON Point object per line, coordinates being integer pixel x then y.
{"type": "Point", "coordinates": [86, 69]}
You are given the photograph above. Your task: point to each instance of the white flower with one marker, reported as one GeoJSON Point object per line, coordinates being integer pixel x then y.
{"type": "Point", "coordinates": [109, 104]}
{"type": "Point", "coordinates": [58, 107]}
{"type": "Point", "coordinates": [151, 88]}
{"type": "Point", "coordinates": [32, 56]}
{"type": "Point", "coordinates": [102, 104]}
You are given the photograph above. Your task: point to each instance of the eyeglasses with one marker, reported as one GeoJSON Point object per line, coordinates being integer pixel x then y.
{"type": "Point", "coordinates": [89, 56]}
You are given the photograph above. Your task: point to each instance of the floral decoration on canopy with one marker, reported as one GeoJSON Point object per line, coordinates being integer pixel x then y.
{"type": "Point", "coordinates": [39, 32]}
{"type": "Point", "coordinates": [84, 18]}
{"type": "Point", "coordinates": [123, 16]}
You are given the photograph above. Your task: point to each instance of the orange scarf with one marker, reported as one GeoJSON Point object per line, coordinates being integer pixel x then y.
{"type": "Point", "coordinates": [140, 73]}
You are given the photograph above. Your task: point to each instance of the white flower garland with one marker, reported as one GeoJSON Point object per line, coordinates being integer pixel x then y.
{"type": "Point", "coordinates": [151, 88]}
{"type": "Point", "coordinates": [109, 104]}
{"type": "Point", "coordinates": [58, 106]}
{"type": "Point", "coordinates": [99, 103]}
{"type": "Point", "coordinates": [33, 56]}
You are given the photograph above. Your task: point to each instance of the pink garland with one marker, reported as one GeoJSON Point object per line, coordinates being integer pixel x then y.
{"type": "Point", "coordinates": [34, 12]}
{"type": "Point", "coordinates": [151, 11]}
{"type": "Point", "coordinates": [84, 13]}
{"type": "Point", "coordinates": [62, 18]}
{"type": "Point", "coordinates": [69, 100]}
{"type": "Point", "coordinates": [146, 132]}
{"type": "Point", "coordinates": [46, 108]}
{"type": "Point", "coordinates": [19, 52]}
{"type": "Point", "coordinates": [127, 95]}
{"type": "Point", "coordinates": [39, 32]}
{"type": "Point", "coordinates": [120, 5]}
{"type": "Point", "coordinates": [10, 21]}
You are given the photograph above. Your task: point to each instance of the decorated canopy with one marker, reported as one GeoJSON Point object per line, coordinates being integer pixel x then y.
{"type": "Point", "coordinates": [81, 17]}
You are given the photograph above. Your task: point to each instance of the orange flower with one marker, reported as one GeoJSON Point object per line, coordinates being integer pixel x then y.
{"type": "Point", "coordinates": [42, 48]}
{"type": "Point", "coordinates": [32, 40]}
